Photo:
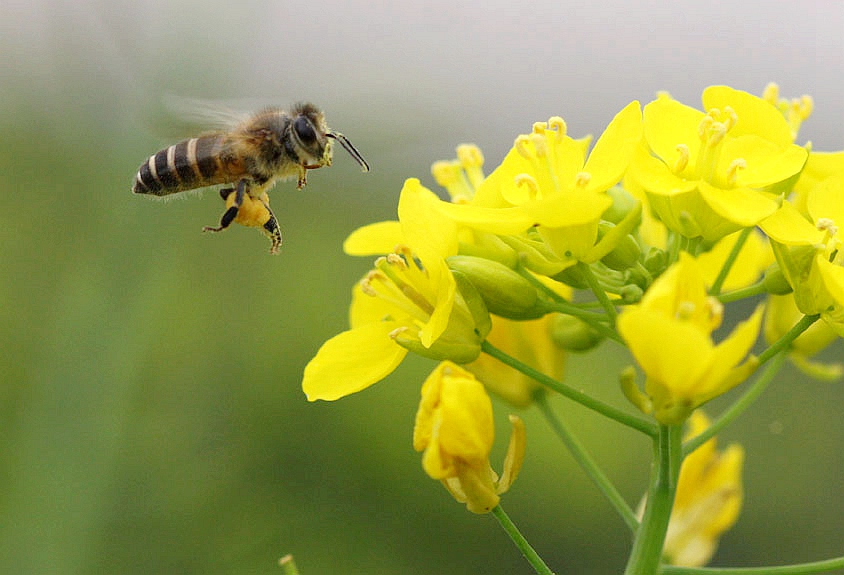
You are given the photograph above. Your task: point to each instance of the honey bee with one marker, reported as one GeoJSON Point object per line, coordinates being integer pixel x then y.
{"type": "Point", "coordinates": [269, 146]}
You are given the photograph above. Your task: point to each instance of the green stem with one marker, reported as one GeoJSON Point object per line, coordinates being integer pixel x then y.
{"type": "Point", "coordinates": [530, 554]}
{"type": "Point", "coordinates": [598, 291]}
{"type": "Point", "coordinates": [560, 304]}
{"type": "Point", "coordinates": [593, 471]}
{"type": "Point", "coordinates": [751, 291]}
{"type": "Point", "coordinates": [665, 469]}
{"type": "Point", "coordinates": [785, 341]}
{"type": "Point", "coordinates": [796, 569]}
{"type": "Point", "coordinates": [588, 401]}
{"type": "Point", "coordinates": [595, 321]}
{"type": "Point", "coordinates": [738, 407]}
{"type": "Point", "coordinates": [728, 264]}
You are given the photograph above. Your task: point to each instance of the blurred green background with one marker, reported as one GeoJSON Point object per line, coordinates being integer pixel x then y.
{"type": "Point", "coordinates": [151, 419]}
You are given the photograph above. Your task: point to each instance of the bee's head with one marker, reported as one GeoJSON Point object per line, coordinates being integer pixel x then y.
{"type": "Point", "coordinates": [313, 136]}
{"type": "Point", "coordinates": [308, 132]}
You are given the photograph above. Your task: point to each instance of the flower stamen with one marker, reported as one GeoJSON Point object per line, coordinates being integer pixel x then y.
{"type": "Point", "coordinates": [732, 170]}
{"type": "Point", "coordinates": [682, 161]}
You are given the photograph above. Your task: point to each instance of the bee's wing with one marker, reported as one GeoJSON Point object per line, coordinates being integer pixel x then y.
{"type": "Point", "coordinates": [195, 115]}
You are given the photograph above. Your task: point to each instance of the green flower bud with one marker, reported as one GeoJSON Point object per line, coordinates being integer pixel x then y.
{"type": "Point", "coordinates": [775, 281]}
{"type": "Point", "coordinates": [504, 292]}
{"type": "Point", "coordinates": [574, 334]}
{"type": "Point", "coordinates": [626, 252]}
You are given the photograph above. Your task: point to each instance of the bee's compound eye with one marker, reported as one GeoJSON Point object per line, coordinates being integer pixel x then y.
{"type": "Point", "coordinates": [305, 130]}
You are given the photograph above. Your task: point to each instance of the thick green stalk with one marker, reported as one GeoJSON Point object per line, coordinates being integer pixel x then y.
{"type": "Point", "coordinates": [665, 469]}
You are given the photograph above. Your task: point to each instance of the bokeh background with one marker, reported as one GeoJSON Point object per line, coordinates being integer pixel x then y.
{"type": "Point", "coordinates": [151, 416]}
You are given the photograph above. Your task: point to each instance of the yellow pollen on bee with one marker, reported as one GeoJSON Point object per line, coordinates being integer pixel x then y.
{"type": "Point", "coordinates": [529, 183]}
{"type": "Point", "coordinates": [732, 170]}
{"type": "Point", "coordinates": [682, 160]}
{"type": "Point", "coordinates": [582, 179]}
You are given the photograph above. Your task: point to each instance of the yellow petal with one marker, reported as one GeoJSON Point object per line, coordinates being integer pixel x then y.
{"type": "Point", "coordinates": [422, 225]}
{"type": "Point", "coordinates": [374, 239]}
{"type": "Point", "coordinates": [742, 206]}
{"type": "Point", "coordinates": [614, 149]}
{"type": "Point", "coordinates": [755, 115]}
{"type": "Point", "coordinates": [352, 361]}
{"type": "Point", "coordinates": [668, 123]}
{"type": "Point", "coordinates": [827, 201]}
{"type": "Point", "coordinates": [788, 226]}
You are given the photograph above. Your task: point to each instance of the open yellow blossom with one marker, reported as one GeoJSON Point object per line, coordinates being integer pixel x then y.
{"type": "Point", "coordinates": [455, 432]}
{"type": "Point", "coordinates": [707, 502]}
{"type": "Point", "coordinates": [710, 173]}
{"type": "Point", "coordinates": [547, 180]}
{"type": "Point", "coordinates": [669, 335]}
{"type": "Point", "coordinates": [810, 251]}
{"type": "Point", "coordinates": [408, 301]}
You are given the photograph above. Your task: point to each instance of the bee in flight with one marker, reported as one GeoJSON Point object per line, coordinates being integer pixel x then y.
{"type": "Point", "coordinates": [271, 145]}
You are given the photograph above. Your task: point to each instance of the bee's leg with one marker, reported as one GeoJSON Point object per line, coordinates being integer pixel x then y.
{"type": "Point", "coordinates": [303, 177]}
{"type": "Point", "coordinates": [231, 213]}
{"type": "Point", "coordinates": [272, 230]}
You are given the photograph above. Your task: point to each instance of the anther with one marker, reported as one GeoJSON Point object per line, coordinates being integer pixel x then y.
{"type": "Point", "coordinates": [539, 127]}
{"type": "Point", "coordinates": [771, 94]}
{"type": "Point", "coordinates": [470, 156]}
{"type": "Point", "coordinates": [557, 124]}
{"type": "Point", "coordinates": [582, 179]}
{"type": "Point", "coordinates": [529, 183]}
{"type": "Point", "coordinates": [521, 145]}
{"type": "Point", "coordinates": [682, 159]}
{"type": "Point", "coordinates": [445, 173]}
{"type": "Point", "coordinates": [827, 225]}
{"type": "Point", "coordinates": [732, 170]}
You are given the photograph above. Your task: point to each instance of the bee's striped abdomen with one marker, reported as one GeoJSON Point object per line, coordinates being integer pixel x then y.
{"type": "Point", "coordinates": [184, 166]}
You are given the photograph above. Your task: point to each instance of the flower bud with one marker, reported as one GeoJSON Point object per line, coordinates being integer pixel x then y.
{"type": "Point", "coordinates": [505, 292]}
{"type": "Point", "coordinates": [626, 252]}
{"type": "Point", "coordinates": [574, 334]}
{"type": "Point", "coordinates": [775, 281]}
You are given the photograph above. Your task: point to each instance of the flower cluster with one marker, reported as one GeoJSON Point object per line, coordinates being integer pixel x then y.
{"type": "Point", "coordinates": [642, 239]}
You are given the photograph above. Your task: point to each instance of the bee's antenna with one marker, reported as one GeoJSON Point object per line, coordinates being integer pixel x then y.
{"type": "Point", "coordinates": [347, 145]}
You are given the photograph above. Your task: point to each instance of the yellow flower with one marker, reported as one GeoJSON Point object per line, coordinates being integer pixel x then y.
{"type": "Point", "coordinates": [669, 334]}
{"type": "Point", "coordinates": [810, 252]}
{"type": "Point", "coordinates": [710, 172]}
{"type": "Point", "coordinates": [408, 301]}
{"type": "Point", "coordinates": [548, 181]}
{"type": "Point", "coordinates": [454, 429]}
{"type": "Point", "coordinates": [707, 502]}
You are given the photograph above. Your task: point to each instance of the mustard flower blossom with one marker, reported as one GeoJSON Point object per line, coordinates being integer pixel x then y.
{"type": "Point", "coordinates": [709, 174]}
{"type": "Point", "coordinates": [409, 301]}
{"type": "Point", "coordinates": [669, 335]}
{"type": "Point", "coordinates": [809, 251]}
{"type": "Point", "coordinates": [455, 432]}
{"type": "Point", "coordinates": [548, 181]}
